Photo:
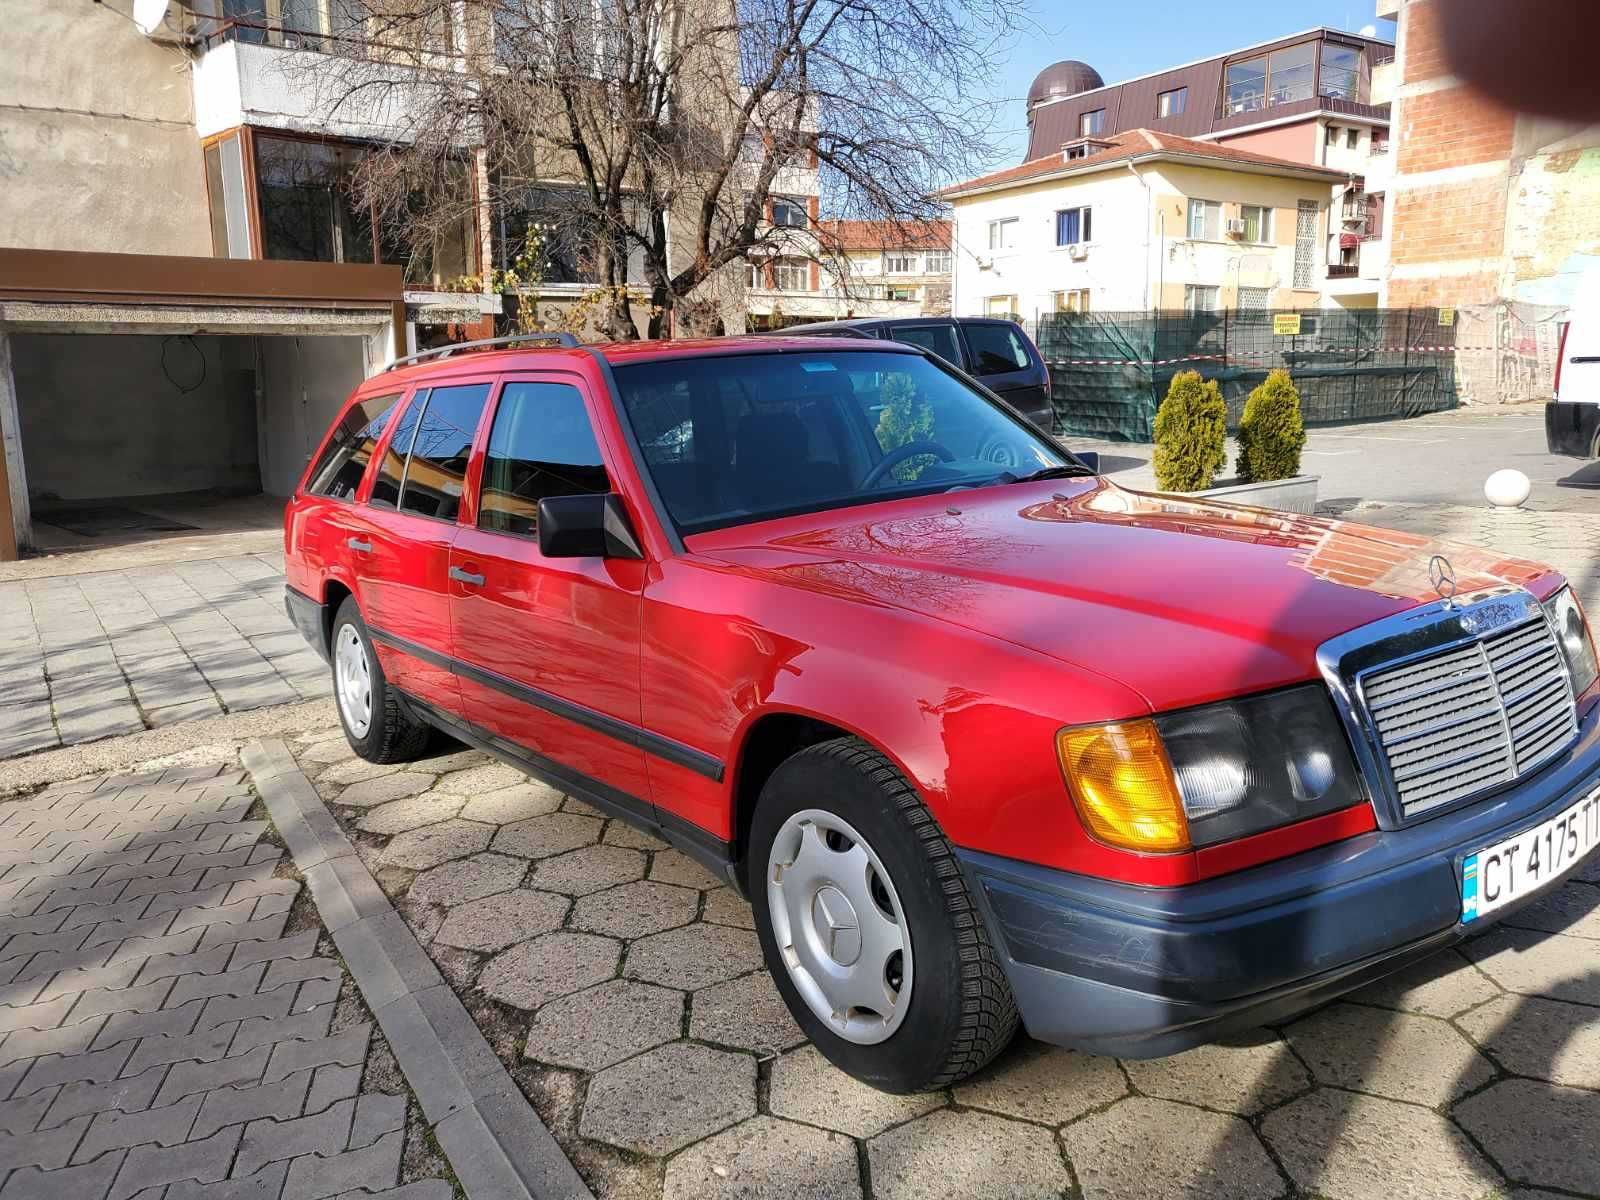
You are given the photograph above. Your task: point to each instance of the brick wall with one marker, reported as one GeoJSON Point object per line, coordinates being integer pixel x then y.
{"type": "Point", "coordinates": [1449, 221]}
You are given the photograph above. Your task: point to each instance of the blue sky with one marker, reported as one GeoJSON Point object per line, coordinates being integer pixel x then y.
{"type": "Point", "coordinates": [1123, 38]}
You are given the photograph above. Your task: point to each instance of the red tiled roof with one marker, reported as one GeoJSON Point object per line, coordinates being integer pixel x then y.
{"type": "Point", "coordinates": [1136, 143]}
{"type": "Point", "coordinates": [884, 235]}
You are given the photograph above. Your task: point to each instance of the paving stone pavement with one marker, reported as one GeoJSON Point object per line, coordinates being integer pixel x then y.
{"type": "Point", "coordinates": [172, 1023]}
{"type": "Point", "coordinates": [95, 655]}
{"type": "Point", "coordinates": [624, 989]}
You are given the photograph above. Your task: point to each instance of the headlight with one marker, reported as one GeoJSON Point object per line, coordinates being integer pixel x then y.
{"type": "Point", "coordinates": [1572, 634]}
{"type": "Point", "coordinates": [1211, 774]}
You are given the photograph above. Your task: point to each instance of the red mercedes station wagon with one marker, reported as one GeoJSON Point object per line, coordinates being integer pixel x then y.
{"type": "Point", "coordinates": [985, 738]}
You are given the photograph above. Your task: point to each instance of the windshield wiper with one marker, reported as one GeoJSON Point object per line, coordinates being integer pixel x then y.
{"type": "Point", "coordinates": [1065, 471]}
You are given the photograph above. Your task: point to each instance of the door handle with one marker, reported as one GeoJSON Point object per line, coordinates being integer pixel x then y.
{"type": "Point", "coordinates": [466, 577]}
{"type": "Point", "coordinates": [359, 545]}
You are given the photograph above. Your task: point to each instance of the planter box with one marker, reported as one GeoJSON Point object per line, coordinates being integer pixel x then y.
{"type": "Point", "coordinates": [1296, 495]}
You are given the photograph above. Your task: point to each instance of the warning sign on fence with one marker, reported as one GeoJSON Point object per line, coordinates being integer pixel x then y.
{"type": "Point", "coordinates": [1286, 324]}
{"type": "Point", "coordinates": [1447, 316]}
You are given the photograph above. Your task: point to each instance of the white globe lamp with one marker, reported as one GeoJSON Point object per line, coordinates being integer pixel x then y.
{"type": "Point", "coordinates": [1507, 488]}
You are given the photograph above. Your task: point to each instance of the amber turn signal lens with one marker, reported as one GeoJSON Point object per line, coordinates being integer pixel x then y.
{"type": "Point", "coordinates": [1122, 783]}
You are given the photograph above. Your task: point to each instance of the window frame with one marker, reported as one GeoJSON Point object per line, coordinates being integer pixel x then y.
{"type": "Point", "coordinates": [890, 257]}
{"type": "Point", "coordinates": [790, 263]}
{"type": "Point", "coordinates": [1178, 107]}
{"type": "Point", "coordinates": [998, 225]}
{"type": "Point", "coordinates": [1191, 294]}
{"type": "Point", "coordinates": [1208, 207]}
{"type": "Point", "coordinates": [1085, 225]}
{"type": "Point", "coordinates": [790, 203]}
{"type": "Point", "coordinates": [1092, 123]}
{"type": "Point", "coordinates": [1264, 229]}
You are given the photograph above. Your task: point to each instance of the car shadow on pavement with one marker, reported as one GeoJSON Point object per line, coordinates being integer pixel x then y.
{"type": "Point", "coordinates": [1586, 477]}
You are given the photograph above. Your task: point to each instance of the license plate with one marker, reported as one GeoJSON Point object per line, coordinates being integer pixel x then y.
{"type": "Point", "coordinates": [1535, 858]}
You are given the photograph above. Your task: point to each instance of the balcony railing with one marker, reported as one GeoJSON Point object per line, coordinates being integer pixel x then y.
{"type": "Point", "coordinates": [426, 51]}
{"type": "Point", "coordinates": [1344, 270]}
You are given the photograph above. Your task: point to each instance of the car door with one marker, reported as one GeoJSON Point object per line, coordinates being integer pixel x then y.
{"type": "Point", "coordinates": [1005, 361]}
{"type": "Point", "coordinates": [548, 648]}
{"type": "Point", "coordinates": [939, 337]}
{"type": "Point", "coordinates": [402, 562]}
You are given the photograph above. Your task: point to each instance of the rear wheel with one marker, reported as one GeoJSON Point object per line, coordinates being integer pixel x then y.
{"type": "Point", "coordinates": [867, 925]}
{"type": "Point", "coordinates": [376, 725]}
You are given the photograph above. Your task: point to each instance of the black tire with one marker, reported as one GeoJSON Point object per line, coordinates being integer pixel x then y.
{"type": "Point", "coordinates": [393, 734]}
{"type": "Point", "coordinates": [961, 1012]}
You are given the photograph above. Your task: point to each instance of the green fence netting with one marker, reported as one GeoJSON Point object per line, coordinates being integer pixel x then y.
{"type": "Point", "coordinates": [1110, 370]}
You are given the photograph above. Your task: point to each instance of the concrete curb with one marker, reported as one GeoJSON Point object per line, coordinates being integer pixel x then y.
{"type": "Point", "coordinates": [496, 1144]}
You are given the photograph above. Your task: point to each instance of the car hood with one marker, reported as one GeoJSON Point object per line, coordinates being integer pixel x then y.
{"type": "Point", "coordinates": [1182, 600]}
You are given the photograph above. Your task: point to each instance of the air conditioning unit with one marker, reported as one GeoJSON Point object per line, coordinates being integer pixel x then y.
{"type": "Point", "coordinates": [1078, 251]}
{"type": "Point", "coordinates": [1236, 228]}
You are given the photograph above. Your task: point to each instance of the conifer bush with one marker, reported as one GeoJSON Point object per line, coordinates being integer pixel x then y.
{"type": "Point", "coordinates": [1271, 431]}
{"type": "Point", "coordinates": [1191, 434]}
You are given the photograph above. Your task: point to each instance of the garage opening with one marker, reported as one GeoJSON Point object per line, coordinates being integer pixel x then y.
{"type": "Point", "coordinates": [132, 437]}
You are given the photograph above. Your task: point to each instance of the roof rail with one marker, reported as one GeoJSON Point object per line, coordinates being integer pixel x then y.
{"type": "Point", "coordinates": [562, 339]}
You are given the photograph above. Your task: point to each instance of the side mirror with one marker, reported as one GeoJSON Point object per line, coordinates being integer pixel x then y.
{"type": "Point", "coordinates": [1089, 458]}
{"type": "Point", "coordinates": [593, 526]}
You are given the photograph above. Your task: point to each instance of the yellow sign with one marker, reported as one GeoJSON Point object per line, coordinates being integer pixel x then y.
{"type": "Point", "coordinates": [1447, 316]}
{"type": "Point", "coordinates": [1286, 324]}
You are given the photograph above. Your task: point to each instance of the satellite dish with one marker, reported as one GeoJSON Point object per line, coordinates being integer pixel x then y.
{"type": "Point", "coordinates": [1370, 31]}
{"type": "Point", "coordinates": [149, 15]}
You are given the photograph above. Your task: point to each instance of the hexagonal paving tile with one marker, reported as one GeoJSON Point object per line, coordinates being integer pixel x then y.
{"type": "Point", "coordinates": [1545, 1039]}
{"type": "Point", "coordinates": [620, 833]}
{"type": "Point", "coordinates": [540, 837]}
{"type": "Point", "coordinates": [434, 844]}
{"type": "Point", "coordinates": [555, 964]}
{"type": "Point", "coordinates": [400, 815]}
{"type": "Point", "coordinates": [1350, 1147]}
{"type": "Point", "coordinates": [724, 906]}
{"type": "Point", "coordinates": [807, 1087]}
{"type": "Point", "coordinates": [1043, 1083]}
{"type": "Point", "coordinates": [371, 792]}
{"type": "Point", "coordinates": [674, 866]}
{"type": "Point", "coordinates": [765, 1157]}
{"type": "Point", "coordinates": [1143, 1148]}
{"type": "Point", "coordinates": [965, 1154]}
{"type": "Point", "coordinates": [694, 956]}
{"type": "Point", "coordinates": [746, 1012]}
{"type": "Point", "coordinates": [1240, 1077]}
{"type": "Point", "coordinates": [1573, 910]}
{"type": "Point", "coordinates": [468, 879]}
{"type": "Point", "coordinates": [497, 921]}
{"type": "Point", "coordinates": [573, 804]}
{"type": "Point", "coordinates": [475, 781]}
{"type": "Point", "coordinates": [1535, 1130]}
{"type": "Point", "coordinates": [636, 909]}
{"type": "Point", "coordinates": [1398, 1055]}
{"type": "Point", "coordinates": [354, 770]}
{"type": "Point", "coordinates": [530, 798]}
{"type": "Point", "coordinates": [460, 760]}
{"type": "Point", "coordinates": [1441, 985]}
{"type": "Point", "coordinates": [1537, 964]}
{"type": "Point", "coordinates": [602, 1025]}
{"type": "Point", "coordinates": [668, 1098]}
{"type": "Point", "coordinates": [591, 869]}
{"type": "Point", "coordinates": [333, 749]}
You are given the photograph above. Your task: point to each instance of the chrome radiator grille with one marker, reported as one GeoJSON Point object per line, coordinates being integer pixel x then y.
{"type": "Point", "coordinates": [1457, 722]}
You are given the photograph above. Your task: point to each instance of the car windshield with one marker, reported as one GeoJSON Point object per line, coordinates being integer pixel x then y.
{"type": "Point", "coordinates": [740, 438]}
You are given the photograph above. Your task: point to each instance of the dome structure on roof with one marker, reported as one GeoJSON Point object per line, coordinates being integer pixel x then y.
{"type": "Point", "coordinates": [1066, 78]}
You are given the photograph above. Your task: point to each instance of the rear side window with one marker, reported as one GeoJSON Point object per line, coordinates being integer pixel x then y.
{"type": "Point", "coordinates": [392, 467]}
{"type": "Point", "coordinates": [542, 444]}
{"type": "Point", "coordinates": [344, 460]}
{"type": "Point", "coordinates": [437, 469]}
{"type": "Point", "coordinates": [941, 339]}
{"type": "Point", "coordinates": [997, 348]}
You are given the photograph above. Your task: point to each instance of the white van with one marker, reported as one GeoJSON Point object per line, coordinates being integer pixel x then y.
{"type": "Point", "coordinates": [1572, 419]}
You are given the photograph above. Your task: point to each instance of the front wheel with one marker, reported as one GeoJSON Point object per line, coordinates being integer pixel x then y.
{"type": "Point", "coordinates": [867, 925]}
{"type": "Point", "coordinates": [375, 724]}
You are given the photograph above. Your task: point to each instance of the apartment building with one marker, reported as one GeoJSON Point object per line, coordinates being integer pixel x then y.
{"type": "Point", "coordinates": [890, 268]}
{"type": "Point", "coordinates": [1317, 98]}
{"type": "Point", "coordinates": [1140, 220]}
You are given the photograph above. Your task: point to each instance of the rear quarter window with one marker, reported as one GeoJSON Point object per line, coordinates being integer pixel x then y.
{"type": "Point", "coordinates": [997, 348]}
{"type": "Point", "coordinates": [344, 459]}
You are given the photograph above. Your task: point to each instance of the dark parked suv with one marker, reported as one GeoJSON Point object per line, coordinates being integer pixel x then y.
{"type": "Point", "coordinates": [993, 351]}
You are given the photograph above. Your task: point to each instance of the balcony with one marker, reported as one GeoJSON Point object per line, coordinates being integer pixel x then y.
{"type": "Point", "coordinates": [1344, 270]}
{"type": "Point", "coordinates": [1292, 103]}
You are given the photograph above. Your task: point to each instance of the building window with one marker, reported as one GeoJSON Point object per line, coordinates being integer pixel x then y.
{"type": "Point", "coordinates": [902, 293]}
{"type": "Point", "coordinates": [552, 220]}
{"type": "Point", "coordinates": [1257, 222]}
{"type": "Point", "coordinates": [1305, 244]}
{"type": "Point", "coordinates": [790, 214]}
{"type": "Point", "coordinates": [1170, 104]}
{"type": "Point", "coordinates": [1199, 298]}
{"type": "Point", "coordinates": [1380, 141]}
{"type": "Point", "coordinates": [307, 212]}
{"type": "Point", "coordinates": [1000, 306]}
{"type": "Point", "coordinates": [1072, 226]}
{"type": "Point", "coordinates": [1076, 300]}
{"type": "Point", "coordinates": [1003, 233]}
{"type": "Point", "coordinates": [1332, 137]}
{"type": "Point", "coordinates": [1091, 123]}
{"type": "Point", "coordinates": [1255, 298]}
{"type": "Point", "coordinates": [755, 277]}
{"type": "Point", "coordinates": [899, 262]}
{"type": "Point", "coordinates": [936, 262]}
{"type": "Point", "coordinates": [792, 275]}
{"type": "Point", "coordinates": [228, 193]}
{"type": "Point", "coordinates": [1374, 215]}
{"type": "Point", "coordinates": [1205, 220]}
{"type": "Point", "coordinates": [1341, 71]}
{"type": "Point", "coordinates": [1281, 77]}
{"type": "Point", "coordinates": [1352, 138]}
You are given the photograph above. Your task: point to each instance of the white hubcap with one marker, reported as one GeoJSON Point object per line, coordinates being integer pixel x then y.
{"type": "Point", "coordinates": [839, 926]}
{"type": "Point", "coordinates": [352, 680]}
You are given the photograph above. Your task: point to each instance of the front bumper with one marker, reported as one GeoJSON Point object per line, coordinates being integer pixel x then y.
{"type": "Point", "coordinates": [1139, 972]}
{"type": "Point", "coordinates": [1571, 429]}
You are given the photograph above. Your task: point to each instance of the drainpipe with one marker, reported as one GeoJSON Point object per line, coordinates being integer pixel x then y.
{"type": "Point", "coordinates": [1149, 203]}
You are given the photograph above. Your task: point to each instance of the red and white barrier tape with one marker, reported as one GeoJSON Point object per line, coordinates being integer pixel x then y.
{"type": "Point", "coordinates": [1167, 362]}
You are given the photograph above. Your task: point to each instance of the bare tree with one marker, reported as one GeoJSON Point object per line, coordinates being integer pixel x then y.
{"type": "Point", "coordinates": [642, 140]}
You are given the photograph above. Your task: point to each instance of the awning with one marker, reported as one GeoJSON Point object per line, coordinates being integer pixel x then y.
{"type": "Point", "coordinates": [1349, 240]}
